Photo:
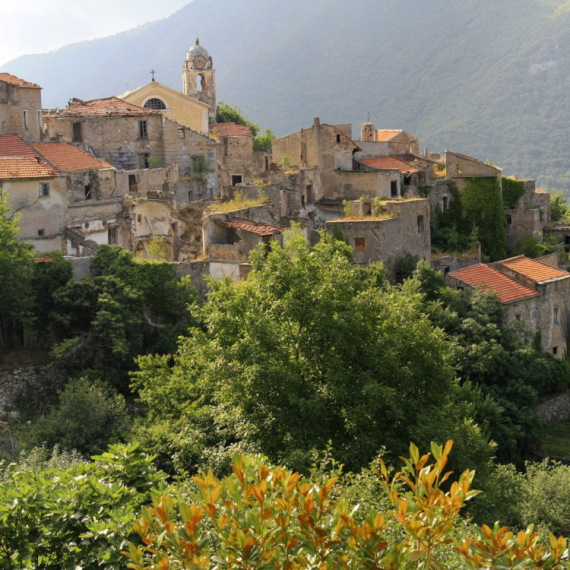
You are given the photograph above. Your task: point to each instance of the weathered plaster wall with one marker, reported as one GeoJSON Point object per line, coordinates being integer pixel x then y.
{"type": "Point", "coordinates": [13, 102]}
{"type": "Point", "coordinates": [234, 157]}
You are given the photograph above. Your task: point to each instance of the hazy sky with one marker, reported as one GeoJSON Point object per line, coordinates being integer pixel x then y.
{"type": "Point", "coordinates": [39, 26]}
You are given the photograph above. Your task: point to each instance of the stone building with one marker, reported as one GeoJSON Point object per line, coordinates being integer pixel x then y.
{"type": "Point", "coordinates": [121, 133]}
{"type": "Point", "coordinates": [234, 154]}
{"type": "Point", "coordinates": [20, 107]}
{"type": "Point", "coordinates": [386, 142]}
{"type": "Point", "coordinates": [176, 106]}
{"type": "Point", "coordinates": [534, 293]}
{"type": "Point", "coordinates": [47, 183]}
{"type": "Point", "coordinates": [459, 167]}
{"type": "Point", "coordinates": [401, 226]}
{"type": "Point", "coordinates": [199, 77]}
{"type": "Point", "coordinates": [412, 176]}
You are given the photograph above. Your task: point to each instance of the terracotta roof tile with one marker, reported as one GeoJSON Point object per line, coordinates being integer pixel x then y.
{"type": "Point", "coordinates": [15, 145]}
{"type": "Point", "coordinates": [250, 226]}
{"type": "Point", "coordinates": [534, 270]}
{"type": "Point", "coordinates": [230, 130]}
{"type": "Point", "coordinates": [484, 277]}
{"type": "Point", "coordinates": [108, 107]}
{"type": "Point", "coordinates": [12, 167]}
{"type": "Point", "coordinates": [17, 82]}
{"type": "Point", "coordinates": [67, 158]}
{"type": "Point", "coordinates": [382, 162]}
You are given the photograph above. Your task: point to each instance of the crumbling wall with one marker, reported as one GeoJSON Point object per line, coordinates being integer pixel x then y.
{"type": "Point", "coordinates": [13, 102]}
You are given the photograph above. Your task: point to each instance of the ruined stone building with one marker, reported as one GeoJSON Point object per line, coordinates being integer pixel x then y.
{"type": "Point", "coordinates": [386, 142]}
{"type": "Point", "coordinates": [534, 293]}
{"type": "Point", "coordinates": [20, 107]}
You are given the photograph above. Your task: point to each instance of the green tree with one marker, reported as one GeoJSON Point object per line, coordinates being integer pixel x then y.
{"type": "Point", "coordinates": [16, 260]}
{"type": "Point", "coordinates": [263, 142]}
{"type": "Point", "coordinates": [558, 206]}
{"type": "Point", "coordinates": [308, 349]}
{"type": "Point", "coordinates": [87, 418]}
{"type": "Point", "coordinates": [228, 114]}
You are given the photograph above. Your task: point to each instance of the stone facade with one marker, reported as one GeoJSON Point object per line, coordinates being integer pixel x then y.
{"type": "Point", "coordinates": [20, 107]}
{"type": "Point", "coordinates": [459, 167]}
{"type": "Point", "coordinates": [402, 227]}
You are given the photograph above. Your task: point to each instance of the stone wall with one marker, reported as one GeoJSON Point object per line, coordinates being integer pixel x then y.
{"type": "Point", "coordinates": [555, 409]}
{"type": "Point", "coordinates": [449, 263]}
{"type": "Point", "coordinates": [13, 102]}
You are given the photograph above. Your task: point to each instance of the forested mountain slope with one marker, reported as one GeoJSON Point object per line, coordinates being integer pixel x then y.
{"type": "Point", "coordinates": [486, 78]}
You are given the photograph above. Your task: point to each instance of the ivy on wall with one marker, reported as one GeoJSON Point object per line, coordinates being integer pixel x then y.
{"type": "Point", "coordinates": [513, 191]}
{"type": "Point", "coordinates": [484, 209]}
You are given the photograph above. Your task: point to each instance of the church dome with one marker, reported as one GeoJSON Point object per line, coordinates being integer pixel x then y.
{"type": "Point", "coordinates": [197, 50]}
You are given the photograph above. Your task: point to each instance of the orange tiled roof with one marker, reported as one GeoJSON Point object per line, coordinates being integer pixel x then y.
{"type": "Point", "coordinates": [382, 162]}
{"type": "Point", "coordinates": [533, 269]}
{"type": "Point", "coordinates": [230, 130]}
{"type": "Point", "coordinates": [250, 226]}
{"type": "Point", "coordinates": [484, 277]}
{"type": "Point", "coordinates": [67, 158]}
{"type": "Point", "coordinates": [385, 135]}
{"type": "Point", "coordinates": [15, 145]}
{"type": "Point", "coordinates": [17, 82]}
{"type": "Point", "coordinates": [108, 107]}
{"type": "Point", "coordinates": [12, 167]}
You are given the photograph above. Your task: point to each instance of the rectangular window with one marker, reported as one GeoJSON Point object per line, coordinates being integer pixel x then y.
{"type": "Point", "coordinates": [44, 189]}
{"type": "Point", "coordinates": [420, 224]}
{"type": "Point", "coordinates": [509, 219]}
{"type": "Point", "coordinates": [518, 316]}
{"type": "Point", "coordinates": [181, 133]}
{"type": "Point", "coordinates": [25, 119]}
{"type": "Point", "coordinates": [88, 192]}
{"type": "Point", "coordinates": [139, 218]}
{"type": "Point", "coordinates": [144, 159]}
{"type": "Point", "coordinates": [360, 244]}
{"type": "Point", "coordinates": [77, 132]}
{"type": "Point", "coordinates": [143, 129]}
{"type": "Point", "coordinates": [394, 189]}
{"type": "Point", "coordinates": [41, 233]}
{"type": "Point", "coordinates": [554, 350]}
{"type": "Point", "coordinates": [133, 184]}
{"type": "Point", "coordinates": [237, 179]}
{"type": "Point", "coordinates": [40, 119]}
{"type": "Point", "coordinates": [555, 316]}
{"type": "Point", "coordinates": [444, 204]}
{"type": "Point", "coordinates": [112, 236]}
{"type": "Point", "coordinates": [337, 138]}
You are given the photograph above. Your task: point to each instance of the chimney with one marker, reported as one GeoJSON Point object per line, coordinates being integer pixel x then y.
{"type": "Point", "coordinates": [317, 122]}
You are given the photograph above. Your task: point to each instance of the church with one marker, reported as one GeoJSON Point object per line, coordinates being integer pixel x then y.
{"type": "Point", "coordinates": [195, 107]}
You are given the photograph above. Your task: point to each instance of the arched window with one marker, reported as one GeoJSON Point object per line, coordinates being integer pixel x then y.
{"type": "Point", "coordinates": [199, 83]}
{"type": "Point", "coordinates": [155, 103]}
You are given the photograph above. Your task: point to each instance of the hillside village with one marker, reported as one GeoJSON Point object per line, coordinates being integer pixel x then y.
{"type": "Point", "coordinates": [153, 165]}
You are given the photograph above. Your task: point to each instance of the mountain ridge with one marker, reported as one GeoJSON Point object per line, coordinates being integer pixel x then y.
{"type": "Point", "coordinates": [483, 78]}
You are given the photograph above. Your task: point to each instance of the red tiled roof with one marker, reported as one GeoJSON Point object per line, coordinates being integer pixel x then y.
{"type": "Point", "coordinates": [108, 107]}
{"type": "Point", "coordinates": [484, 277]}
{"type": "Point", "coordinates": [12, 167]}
{"type": "Point", "coordinates": [533, 269]}
{"type": "Point", "coordinates": [382, 162]}
{"type": "Point", "coordinates": [385, 135]}
{"type": "Point", "coordinates": [230, 130]}
{"type": "Point", "coordinates": [15, 145]}
{"type": "Point", "coordinates": [250, 226]}
{"type": "Point", "coordinates": [17, 82]}
{"type": "Point", "coordinates": [67, 158]}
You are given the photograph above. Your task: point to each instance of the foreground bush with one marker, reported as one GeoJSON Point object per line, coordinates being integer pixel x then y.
{"type": "Point", "coordinates": [262, 517]}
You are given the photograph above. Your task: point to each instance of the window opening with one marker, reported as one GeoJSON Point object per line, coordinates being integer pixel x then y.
{"type": "Point", "coordinates": [44, 189]}
{"type": "Point", "coordinates": [25, 120]}
{"type": "Point", "coordinates": [40, 119]}
{"type": "Point", "coordinates": [555, 316]}
{"type": "Point", "coordinates": [237, 179]}
{"type": "Point", "coordinates": [393, 189]}
{"type": "Point", "coordinates": [360, 244]}
{"type": "Point", "coordinates": [41, 233]}
{"type": "Point", "coordinates": [144, 159]}
{"type": "Point", "coordinates": [155, 103]}
{"type": "Point", "coordinates": [112, 236]}
{"type": "Point", "coordinates": [518, 316]}
{"type": "Point", "coordinates": [444, 204]}
{"type": "Point", "coordinates": [77, 134]}
{"type": "Point", "coordinates": [143, 129]}
{"type": "Point", "coordinates": [88, 192]}
{"type": "Point", "coordinates": [133, 184]}
{"type": "Point", "coordinates": [337, 138]}
{"type": "Point", "coordinates": [420, 224]}
{"type": "Point", "coordinates": [509, 219]}
{"type": "Point", "coordinates": [139, 218]}
{"type": "Point", "coordinates": [309, 192]}
{"type": "Point", "coordinates": [199, 83]}
{"type": "Point", "coordinates": [181, 133]}
{"type": "Point", "coordinates": [554, 350]}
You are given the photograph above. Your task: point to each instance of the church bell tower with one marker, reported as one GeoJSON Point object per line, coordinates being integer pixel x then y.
{"type": "Point", "coordinates": [199, 78]}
